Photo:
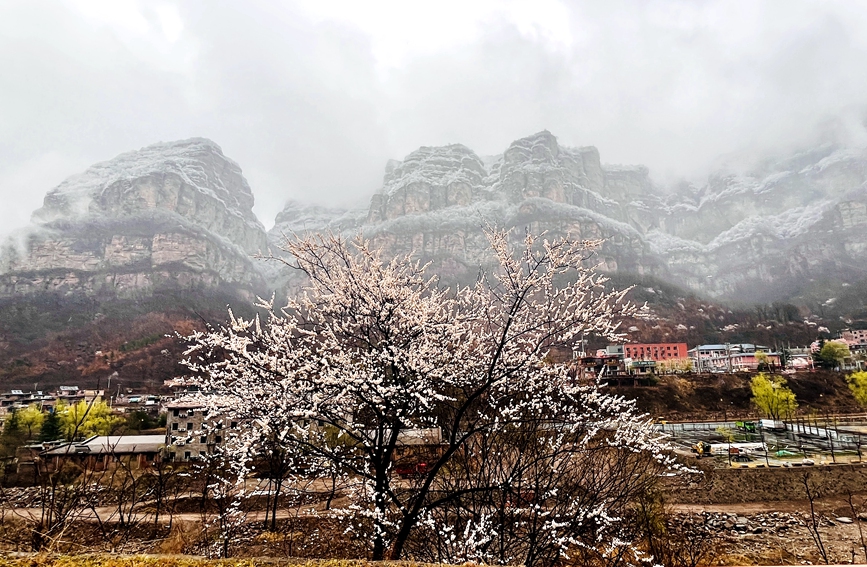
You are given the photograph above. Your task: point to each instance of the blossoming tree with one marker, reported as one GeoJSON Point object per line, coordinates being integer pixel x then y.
{"type": "Point", "coordinates": [526, 464]}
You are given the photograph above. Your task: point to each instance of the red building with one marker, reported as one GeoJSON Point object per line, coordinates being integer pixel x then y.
{"type": "Point", "coordinates": [658, 351]}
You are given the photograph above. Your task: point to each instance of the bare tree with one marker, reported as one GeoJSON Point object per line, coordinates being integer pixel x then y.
{"type": "Point", "coordinates": [812, 492]}
{"type": "Point", "coordinates": [856, 517]}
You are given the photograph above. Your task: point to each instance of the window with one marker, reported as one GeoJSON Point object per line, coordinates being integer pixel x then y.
{"type": "Point", "coordinates": [203, 439]}
{"type": "Point", "coordinates": [187, 455]}
{"type": "Point", "coordinates": [218, 439]}
{"type": "Point", "coordinates": [175, 426]}
{"type": "Point", "coordinates": [175, 412]}
{"type": "Point", "coordinates": [234, 425]}
{"type": "Point", "coordinates": [190, 426]}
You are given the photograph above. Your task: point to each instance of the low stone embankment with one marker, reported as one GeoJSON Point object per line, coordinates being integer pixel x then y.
{"type": "Point", "coordinates": [734, 486]}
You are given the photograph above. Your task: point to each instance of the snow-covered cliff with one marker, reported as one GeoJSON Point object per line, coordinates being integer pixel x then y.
{"type": "Point", "coordinates": [179, 215]}
{"type": "Point", "coordinates": [761, 235]}
{"type": "Point", "coordinates": [171, 215]}
{"type": "Point", "coordinates": [438, 199]}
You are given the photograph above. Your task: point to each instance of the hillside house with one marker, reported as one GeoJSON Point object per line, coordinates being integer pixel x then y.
{"type": "Point", "coordinates": [655, 351]}
{"type": "Point", "coordinates": [743, 357]}
{"type": "Point", "coordinates": [185, 437]}
{"type": "Point", "coordinates": [100, 451]}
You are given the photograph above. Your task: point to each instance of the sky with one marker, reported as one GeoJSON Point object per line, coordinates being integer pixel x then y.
{"type": "Point", "coordinates": [312, 98]}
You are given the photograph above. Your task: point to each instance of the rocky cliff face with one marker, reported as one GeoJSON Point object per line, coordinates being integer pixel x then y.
{"type": "Point", "coordinates": [179, 216]}
{"type": "Point", "coordinates": [760, 236]}
{"type": "Point", "coordinates": [767, 235]}
{"type": "Point", "coordinates": [436, 202]}
{"type": "Point", "coordinates": [169, 216]}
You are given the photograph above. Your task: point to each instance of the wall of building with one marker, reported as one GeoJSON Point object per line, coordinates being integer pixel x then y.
{"type": "Point", "coordinates": [185, 438]}
{"type": "Point", "coordinates": [655, 351]}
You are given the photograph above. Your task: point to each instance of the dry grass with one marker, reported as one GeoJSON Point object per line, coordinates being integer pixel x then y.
{"type": "Point", "coordinates": [100, 560]}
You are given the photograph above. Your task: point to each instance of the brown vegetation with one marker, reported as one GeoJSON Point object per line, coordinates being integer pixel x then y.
{"type": "Point", "coordinates": [724, 396]}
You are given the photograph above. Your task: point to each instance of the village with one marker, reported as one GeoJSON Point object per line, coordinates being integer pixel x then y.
{"type": "Point", "coordinates": [177, 430]}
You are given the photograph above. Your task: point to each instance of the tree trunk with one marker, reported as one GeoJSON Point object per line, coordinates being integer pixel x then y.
{"type": "Point", "coordinates": [381, 508]}
{"type": "Point", "coordinates": [400, 539]}
{"type": "Point", "coordinates": [279, 481]}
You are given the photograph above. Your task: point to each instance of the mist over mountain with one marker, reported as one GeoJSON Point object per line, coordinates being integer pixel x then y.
{"type": "Point", "coordinates": [169, 216]}
{"type": "Point", "coordinates": [765, 235]}
{"type": "Point", "coordinates": [179, 215]}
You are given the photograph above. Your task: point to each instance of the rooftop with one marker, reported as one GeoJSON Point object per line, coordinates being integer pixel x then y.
{"type": "Point", "coordinates": [113, 444]}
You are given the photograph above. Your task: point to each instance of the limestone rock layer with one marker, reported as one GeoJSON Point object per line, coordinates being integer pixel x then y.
{"type": "Point", "coordinates": [169, 216]}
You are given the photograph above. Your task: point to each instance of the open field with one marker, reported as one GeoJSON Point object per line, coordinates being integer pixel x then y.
{"type": "Point", "coordinates": [100, 560]}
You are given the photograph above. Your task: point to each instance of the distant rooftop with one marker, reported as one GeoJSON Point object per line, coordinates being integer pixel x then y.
{"type": "Point", "coordinates": [112, 444]}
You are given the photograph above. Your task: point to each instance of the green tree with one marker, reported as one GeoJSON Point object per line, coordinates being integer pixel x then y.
{"type": "Point", "coordinates": [51, 427]}
{"type": "Point", "coordinates": [30, 420]}
{"type": "Point", "coordinates": [772, 396]}
{"type": "Point", "coordinates": [833, 353]}
{"type": "Point", "coordinates": [858, 384]}
{"type": "Point", "coordinates": [86, 419]}
{"type": "Point", "coordinates": [762, 360]}
{"type": "Point", "coordinates": [140, 420]}
{"type": "Point", "coordinates": [13, 436]}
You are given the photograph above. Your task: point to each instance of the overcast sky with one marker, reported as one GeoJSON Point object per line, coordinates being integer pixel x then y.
{"type": "Point", "coordinates": [312, 98]}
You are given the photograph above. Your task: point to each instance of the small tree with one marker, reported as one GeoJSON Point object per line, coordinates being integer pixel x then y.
{"type": "Point", "coordinates": [772, 396]}
{"type": "Point", "coordinates": [834, 353]}
{"type": "Point", "coordinates": [13, 436]}
{"type": "Point", "coordinates": [87, 419]}
{"type": "Point", "coordinates": [858, 385]}
{"type": "Point", "coordinates": [762, 360]}
{"type": "Point", "coordinates": [30, 420]}
{"type": "Point", "coordinates": [51, 429]}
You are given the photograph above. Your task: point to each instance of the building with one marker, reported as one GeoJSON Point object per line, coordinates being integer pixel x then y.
{"type": "Point", "coordinates": [655, 351]}
{"type": "Point", "coordinates": [799, 358]}
{"type": "Point", "coordinates": [186, 438]}
{"type": "Point", "coordinates": [73, 394]}
{"type": "Point", "coordinates": [98, 452]}
{"type": "Point", "coordinates": [855, 339]}
{"type": "Point", "coordinates": [732, 357]}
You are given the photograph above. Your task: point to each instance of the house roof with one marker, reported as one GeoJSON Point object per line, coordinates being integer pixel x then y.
{"type": "Point", "coordinates": [113, 444]}
{"type": "Point", "coordinates": [185, 404]}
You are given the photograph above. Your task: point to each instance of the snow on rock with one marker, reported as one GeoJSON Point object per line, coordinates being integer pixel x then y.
{"type": "Point", "coordinates": [297, 218]}
{"type": "Point", "coordinates": [189, 159]}
{"type": "Point", "coordinates": [437, 201]}
{"type": "Point", "coordinates": [171, 214]}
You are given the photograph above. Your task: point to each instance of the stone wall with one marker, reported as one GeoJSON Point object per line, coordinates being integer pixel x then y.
{"type": "Point", "coordinates": [735, 486]}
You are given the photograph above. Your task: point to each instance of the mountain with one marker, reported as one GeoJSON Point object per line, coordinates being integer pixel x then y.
{"type": "Point", "coordinates": [437, 201]}
{"type": "Point", "coordinates": [771, 234]}
{"type": "Point", "coordinates": [159, 240]}
{"type": "Point", "coordinates": [778, 233]}
{"type": "Point", "coordinates": [171, 216]}
{"type": "Point", "coordinates": [178, 216]}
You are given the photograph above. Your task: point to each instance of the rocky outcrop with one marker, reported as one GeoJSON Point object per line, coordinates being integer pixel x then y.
{"type": "Point", "coordinates": [767, 235]}
{"type": "Point", "coordinates": [179, 216]}
{"type": "Point", "coordinates": [436, 202]}
{"type": "Point", "coordinates": [759, 236]}
{"type": "Point", "coordinates": [169, 216]}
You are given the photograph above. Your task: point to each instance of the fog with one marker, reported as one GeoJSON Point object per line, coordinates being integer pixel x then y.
{"type": "Point", "coordinates": [312, 98]}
